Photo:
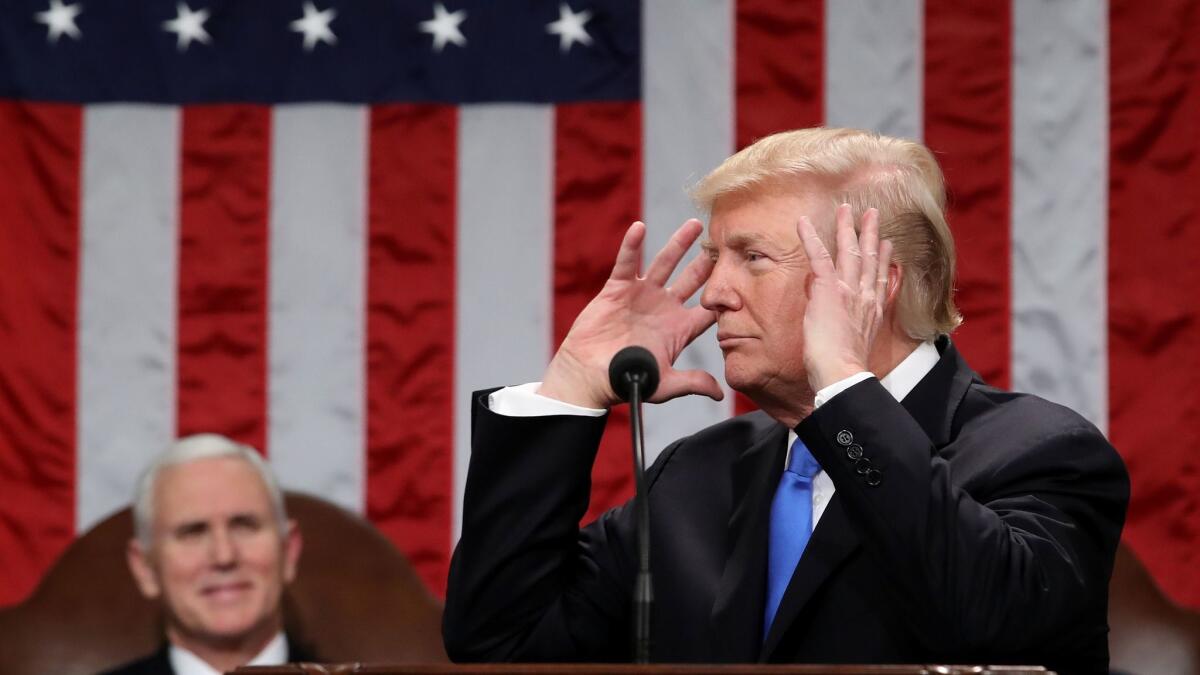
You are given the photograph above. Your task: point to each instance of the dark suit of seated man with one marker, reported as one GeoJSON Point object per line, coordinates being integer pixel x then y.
{"type": "Point", "coordinates": [214, 545]}
{"type": "Point", "coordinates": [923, 516]}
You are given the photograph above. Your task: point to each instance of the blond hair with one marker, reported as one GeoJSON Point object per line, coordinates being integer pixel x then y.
{"type": "Point", "coordinates": [898, 177]}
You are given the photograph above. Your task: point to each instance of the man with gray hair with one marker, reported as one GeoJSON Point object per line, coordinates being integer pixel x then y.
{"type": "Point", "coordinates": [213, 544]}
{"type": "Point", "coordinates": [884, 505]}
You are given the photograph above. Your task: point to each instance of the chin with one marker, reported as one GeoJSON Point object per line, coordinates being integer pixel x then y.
{"type": "Point", "coordinates": [234, 623]}
{"type": "Point", "coordinates": [741, 380]}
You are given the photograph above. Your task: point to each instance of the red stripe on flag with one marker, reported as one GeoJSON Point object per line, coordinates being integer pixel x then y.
{"type": "Point", "coordinates": [780, 68]}
{"type": "Point", "coordinates": [410, 331]}
{"type": "Point", "coordinates": [1153, 281]}
{"type": "Point", "coordinates": [39, 253]}
{"type": "Point", "coordinates": [597, 194]}
{"type": "Point", "coordinates": [780, 71]}
{"type": "Point", "coordinates": [968, 61]}
{"type": "Point", "coordinates": [223, 249]}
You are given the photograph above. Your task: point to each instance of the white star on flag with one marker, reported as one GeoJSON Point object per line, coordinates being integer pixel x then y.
{"type": "Point", "coordinates": [569, 27]}
{"type": "Point", "coordinates": [188, 26]}
{"type": "Point", "coordinates": [315, 26]}
{"type": "Point", "coordinates": [59, 19]}
{"type": "Point", "coordinates": [444, 27]}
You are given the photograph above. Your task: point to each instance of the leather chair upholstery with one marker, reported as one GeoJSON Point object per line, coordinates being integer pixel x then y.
{"type": "Point", "coordinates": [355, 598]}
{"type": "Point", "coordinates": [1149, 635]}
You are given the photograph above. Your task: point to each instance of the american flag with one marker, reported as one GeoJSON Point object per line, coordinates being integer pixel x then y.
{"type": "Point", "coordinates": [318, 225]}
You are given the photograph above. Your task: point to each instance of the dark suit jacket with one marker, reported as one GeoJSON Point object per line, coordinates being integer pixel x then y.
{"type": "Point", "coordinates": [988, 538]}
{"type": "Point", "coordinates": [159, 663]}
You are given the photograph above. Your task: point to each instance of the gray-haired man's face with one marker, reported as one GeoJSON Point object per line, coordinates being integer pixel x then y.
{"type": "Point", "coordinates": [217, 559]}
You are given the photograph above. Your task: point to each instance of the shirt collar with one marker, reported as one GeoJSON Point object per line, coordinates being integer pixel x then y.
{"type": "Point", "coordinates": [905, 376]}
{"type": "Point", "coordinates": [184, 662]}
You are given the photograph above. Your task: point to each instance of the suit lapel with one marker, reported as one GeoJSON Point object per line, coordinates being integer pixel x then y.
{"type": "Point", "coordinates": [832, 541]}
{"type": "Point", "coordinates": [738, 610]}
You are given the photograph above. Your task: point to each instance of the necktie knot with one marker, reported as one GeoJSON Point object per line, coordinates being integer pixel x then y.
{"type": "Point", "coordinates": [802, 463]}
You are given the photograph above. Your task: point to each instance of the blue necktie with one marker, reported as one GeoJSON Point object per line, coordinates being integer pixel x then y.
{"type": "Point", "coordinates": [791, 525]}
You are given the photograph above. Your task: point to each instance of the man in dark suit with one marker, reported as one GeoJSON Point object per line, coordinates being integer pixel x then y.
{"type": "Point", "coordinates": [215, 547]}
{"type": "Point", "coordinates": [885, 505]}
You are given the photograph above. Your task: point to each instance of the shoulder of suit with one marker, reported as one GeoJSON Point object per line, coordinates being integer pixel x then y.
{"type": "Point", "coordinates": [155, 663]}
{"type": "Point", "coordinates": [724, 440]}
{"type": "Point", "coordinates": [1035, 414]}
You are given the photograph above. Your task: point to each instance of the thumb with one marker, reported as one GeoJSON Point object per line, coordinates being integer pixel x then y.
{"type": "Point", "coordinates": [676, 383]}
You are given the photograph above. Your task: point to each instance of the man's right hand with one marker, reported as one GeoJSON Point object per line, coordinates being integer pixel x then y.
{"type": "Point", "coordinates": [633, 310]}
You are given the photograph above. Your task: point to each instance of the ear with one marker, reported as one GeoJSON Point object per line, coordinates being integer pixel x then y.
{"type": "Point", "coordinates": [292, 544]}
{"type": "Point", "coordinates": [142, 568]}
{"type": "Point", "coordinates": [895, 278]}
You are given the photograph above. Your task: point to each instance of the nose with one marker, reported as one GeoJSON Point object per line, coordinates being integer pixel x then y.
{"type": "Point", "coordinates": [222, 548]}
{"type": "Point", "coordinates": [720, 294]}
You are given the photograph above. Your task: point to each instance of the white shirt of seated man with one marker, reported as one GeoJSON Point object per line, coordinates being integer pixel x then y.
{"type": "Point", "coordinates": [184, 662]}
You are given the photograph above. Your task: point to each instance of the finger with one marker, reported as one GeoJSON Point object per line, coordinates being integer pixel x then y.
{"type": "Point", "coordinates": [868, 241]}
{"type": "Point", "coordinates": [881, 277]}
{"type": "Point", "coordinates": [692, 277]}
{"type": "Point", "coordinates": [629, 257]}
{"type": "Point", "coordinates": [699, 320]}
{"type": "Point", "coordinates": [818, 256]}
{"type": "Point", "coordinates": [849, 257]}
{"type": "Point", "coordinates": [676, 383]}
{"type": "Point", "coordinates": [677, 246]}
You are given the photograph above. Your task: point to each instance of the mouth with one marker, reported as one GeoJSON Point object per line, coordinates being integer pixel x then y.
{"type": "Point", "coordinates": [226, 591]}
{"type": "Point", "coordinates": [731, 340]}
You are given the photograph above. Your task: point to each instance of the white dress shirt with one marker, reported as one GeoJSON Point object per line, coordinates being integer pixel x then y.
{"type": "Point", "coordinates": [186, 663]}
{"type": "Point", "coordinates": [524, 401]}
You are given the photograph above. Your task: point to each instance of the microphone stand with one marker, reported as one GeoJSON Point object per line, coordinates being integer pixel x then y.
{"type": "Point", "coordinates": [643, 591]}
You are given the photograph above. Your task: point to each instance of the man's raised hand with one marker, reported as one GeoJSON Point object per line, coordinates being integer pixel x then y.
{"type": "Point", "coordinates": [637, 310]}
{"type": "Point", "coordinates": [846, 299]}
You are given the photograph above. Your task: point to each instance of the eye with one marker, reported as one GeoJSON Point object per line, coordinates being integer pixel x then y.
{"type": "Point", "coordinates": [245, 523]}
{"type": "Point", "coordinates": [754, 256]}
{"type": "Point", "coordinates": [191, 531]}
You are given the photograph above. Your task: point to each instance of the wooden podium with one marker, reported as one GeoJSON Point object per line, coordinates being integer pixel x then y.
{"type": "Point", "coordinates": [631, 669]}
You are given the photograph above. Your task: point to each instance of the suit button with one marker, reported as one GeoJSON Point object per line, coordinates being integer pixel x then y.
{"type": "Point", "coordinates": [854, 452]}
{"type": "Point", "coordinates": [845, 438]}
{"type": "Point", "coordinates": [874, 477]}
{"type": "Point", "coordinates": [862, 466]}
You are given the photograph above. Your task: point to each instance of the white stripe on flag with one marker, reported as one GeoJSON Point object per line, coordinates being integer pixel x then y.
{"type": "Point", "coordinates": [317, 300]}
{"type": "Point", "coordinates": [1059, 262]}
{"type": "Point", "coordinates": [127, 300]}
{"type": "Point", "coordinates": [688, 130]}
{"type": "Point", "coordinates": [505, 238]}
{"type": "Point", "coordinates": [873, 65]}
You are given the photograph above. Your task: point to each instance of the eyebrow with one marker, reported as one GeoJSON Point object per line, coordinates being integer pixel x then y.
{"type": "Point", "coordinates": [739, 240]}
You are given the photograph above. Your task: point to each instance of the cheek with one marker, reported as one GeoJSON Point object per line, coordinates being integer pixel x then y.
{"type": "Point", "coordinates": [183, 566]}
{"type": "Point", "coordinates": [265, 559]}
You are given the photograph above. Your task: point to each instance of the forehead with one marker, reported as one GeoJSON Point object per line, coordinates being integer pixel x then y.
{"type": "Point", "coordinates": [770, 214]}
{"type": "Point", "coordinates": [209, 488]}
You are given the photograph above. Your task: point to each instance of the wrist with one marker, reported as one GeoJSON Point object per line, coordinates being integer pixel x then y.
{"type": "Point", "coordinates": [823, 377]}
{"type": "Point", "coordinates": [567, 381]}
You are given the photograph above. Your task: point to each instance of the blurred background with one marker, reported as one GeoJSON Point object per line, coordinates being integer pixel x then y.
{"type": "Point", "coordinates": [318, 226]}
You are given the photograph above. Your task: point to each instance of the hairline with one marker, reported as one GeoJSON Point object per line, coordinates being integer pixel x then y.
{"type": "Point", "coordinates": [196, 448]}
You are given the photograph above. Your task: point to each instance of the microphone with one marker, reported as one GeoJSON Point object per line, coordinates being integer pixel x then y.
{"type": "Point", "coordinates": [633, 364]}
{"type": "Point", "coordinates": [633, 375]}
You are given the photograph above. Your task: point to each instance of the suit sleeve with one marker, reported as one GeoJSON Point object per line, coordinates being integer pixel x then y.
{"type": "Point", "coordinates": [526, 583]}
{"type": "Point", "coordinates": [1011, 557]}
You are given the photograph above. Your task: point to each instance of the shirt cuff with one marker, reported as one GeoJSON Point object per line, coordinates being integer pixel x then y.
{"type": "Point", "coordinates": [838, 387]}
{"type": "Point", "coordinates": [524, 401]}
